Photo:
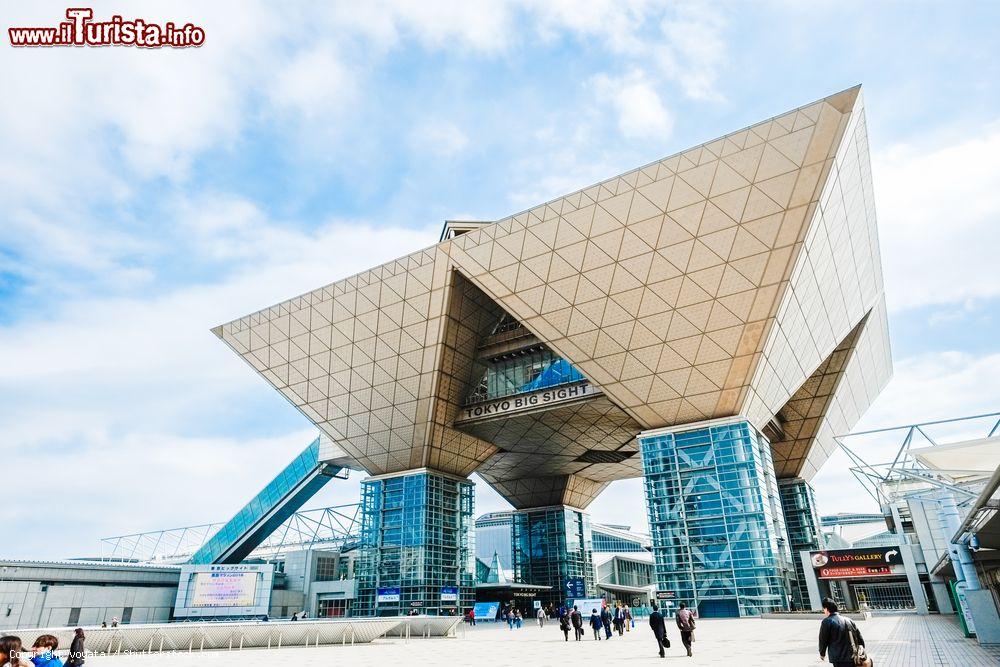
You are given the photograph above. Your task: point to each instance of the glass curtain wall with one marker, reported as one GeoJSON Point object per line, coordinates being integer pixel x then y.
{"type": "Point", "coordinates": [416, 541]}
{"type": "Point", "coordinates": [715, 518]}
{"type": "Point", "coordinates": [522, 372]}
{"type": "Point", "coordinates": [550, 546]}
{"type": "Point", "coordinates": [798, 504]}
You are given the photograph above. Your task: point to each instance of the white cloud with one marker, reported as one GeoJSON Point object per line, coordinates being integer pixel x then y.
{"type": "Point", "coordinates": [641, 113]}
{"type": "Point", "coordinates": [694, 51]}
{"type": "Point", "coordinates": [939, 219]}
{"type": "Point", "coordinates": [103, 391]}
{"type": "Point", "coordinates": [313, 86]}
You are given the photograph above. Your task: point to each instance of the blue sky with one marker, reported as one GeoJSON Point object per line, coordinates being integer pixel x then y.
{"type": "Point", "coordinates": [146, 196]}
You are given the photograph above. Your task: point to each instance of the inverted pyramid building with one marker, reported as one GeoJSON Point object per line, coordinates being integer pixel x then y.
{"type": "Point", "coordinates": [739, 278]}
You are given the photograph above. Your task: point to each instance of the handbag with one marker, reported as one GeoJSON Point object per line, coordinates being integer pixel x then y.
{"type": "Point", "coordinates": [858, 653]}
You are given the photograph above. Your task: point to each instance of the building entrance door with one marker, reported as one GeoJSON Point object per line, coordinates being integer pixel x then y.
{"type": "Point", "coordinates": [884, 596]}
{"type": "Point", "coordinates": [719, 608]}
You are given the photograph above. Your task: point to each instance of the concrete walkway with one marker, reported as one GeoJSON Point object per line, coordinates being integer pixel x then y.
{"type": "Point", "coordinates": [894, 641]}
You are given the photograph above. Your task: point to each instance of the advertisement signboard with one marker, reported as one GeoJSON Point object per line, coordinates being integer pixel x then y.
{"type": "Point", "coordinates": [873, 556]}
{"type": "Point", "coordinates": [586, 605]}
{"type": "Point", "coordinates": [449, 594]}
{"type": "Point", "coordinates": [868, 562]}
{"type": "Point", "coordinates": [218, 591]}
{"type": "Point", "coordinates": [387, 595]}
{"type": "Point", "coordinates": [486, 611]}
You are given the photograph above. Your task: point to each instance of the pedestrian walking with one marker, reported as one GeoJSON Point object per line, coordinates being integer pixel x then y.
{"type": "Point", "coordinates": [596, 624]}
{"type": "Point", "coordinates": [10, 652]}
{"type": "Point", "coordinates": [77, 653]}
{"type": "Point", "coordinates": [518, 619]}
{"type": "Point", "coordinates": [685, 623]}
{"type": "Point", "coordinates": [629, 621]}
{"type": "Point", "coordinates": [659, 630]}
{"type": "Point", "coordinates": [540, 615]}
{"type": "Point", "coordinates": [577, 619]}
{"type": "Point", "coordinates": [44, 652]}
{"type": "Point", "coordinates": [619, 618]}
{"type": "Point", "coordinates": [472, 617]}
{"type": "Point", "coordinates": [564, 623]}
{"type": "Point", "coordinates": [509, 615]}
{"type": "Point", "coordinates": [606, 621]}
{"type": "Point", "coordinates": [840, 639]}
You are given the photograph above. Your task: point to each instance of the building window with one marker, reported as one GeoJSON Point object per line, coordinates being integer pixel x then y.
{"type": "Point", "coordinates": [331, 608]}
{"type": "Point", "coordinates": [326, 569]}
{"type": "Point", "coordinates": [74, 616]}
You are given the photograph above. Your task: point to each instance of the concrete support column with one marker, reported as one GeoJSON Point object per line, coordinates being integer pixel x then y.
{"type": "Point", "coordinates": [811, 581]}
{"type": "Point", "coordinates": [965, 569]}
{"type": "Point", "coordinates": [913, 579]}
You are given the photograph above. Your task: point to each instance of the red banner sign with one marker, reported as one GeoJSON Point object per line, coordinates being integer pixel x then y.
{"type": "Point", "coordinates": [838, 572]}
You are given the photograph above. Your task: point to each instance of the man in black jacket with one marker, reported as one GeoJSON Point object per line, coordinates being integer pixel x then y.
{"type": "Point", "coordinates": [835, 636]}
{"type": "Point", "coordinates": [659, 630]}
{"type": "Point", "coordinates": [577, 619]}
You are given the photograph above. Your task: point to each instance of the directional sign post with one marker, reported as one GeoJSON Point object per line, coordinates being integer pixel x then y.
{"type": "Point", "coordinates": [575, 587]}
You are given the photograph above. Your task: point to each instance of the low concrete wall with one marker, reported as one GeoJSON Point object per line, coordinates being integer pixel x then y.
{"type": "Point", "coordinates": [205, 636]}
{"type": "Point", "coordinates": [426, 626]}
{"type": "Point", "coordinates": [818, 615]}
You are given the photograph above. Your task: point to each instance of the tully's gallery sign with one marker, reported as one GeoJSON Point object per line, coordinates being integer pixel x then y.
{"type": "Point", "coordinates": [519, 402]}
{"type": "Point", "coordinates": [843, 563]}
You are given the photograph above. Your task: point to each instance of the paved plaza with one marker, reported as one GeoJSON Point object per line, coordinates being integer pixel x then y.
{"type": "Point", "coordinates": [905, 640]}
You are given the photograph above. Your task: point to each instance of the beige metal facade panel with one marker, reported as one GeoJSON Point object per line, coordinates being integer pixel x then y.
{"type": "Point", "coordinates": [529, 492]}
{"type": "Point", "coordinates": [836, 281]}
{"type": "Point", "coordinates": [551, 442]}
{"type": "Point", "coordinates": [659, 285]}
{"type": "Point", "coordinates": [714, 282]}
{"type": "Point", "coordinates": [360, 357]}
{"type": "Point", "coordinates": [868, 370]}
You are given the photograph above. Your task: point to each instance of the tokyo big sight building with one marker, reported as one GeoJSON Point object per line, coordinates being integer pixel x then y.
{"type": "Point", "coordinates": [707, 322]}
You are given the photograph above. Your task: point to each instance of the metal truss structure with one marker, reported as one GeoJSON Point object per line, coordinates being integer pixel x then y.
{"type": "Point", "coordinates": [906, 476]}
{"type": "Point", "coordinates": [328, 527]}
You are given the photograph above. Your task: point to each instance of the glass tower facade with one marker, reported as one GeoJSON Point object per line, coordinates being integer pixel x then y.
{"type": "Point", "coordinates": [416, 547]}
{"type": "Point", "coordinates": [715, 516]}
{"type": "Point", "coordinates": [805, 533]}
{"type": "Point", "coordinates": [552, 545]}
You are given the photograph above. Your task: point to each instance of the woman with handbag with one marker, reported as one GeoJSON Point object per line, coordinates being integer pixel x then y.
{"type": "Point", "coordinates": [76, 651]}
